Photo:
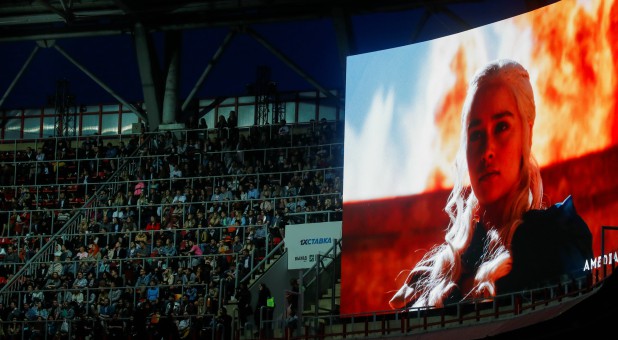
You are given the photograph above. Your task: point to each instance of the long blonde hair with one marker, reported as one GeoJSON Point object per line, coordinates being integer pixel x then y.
{"type": "Point", "coordinates": [436, 275]}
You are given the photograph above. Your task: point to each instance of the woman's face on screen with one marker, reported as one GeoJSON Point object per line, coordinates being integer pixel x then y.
{"type": "Point", "coordinates": [494, 150]}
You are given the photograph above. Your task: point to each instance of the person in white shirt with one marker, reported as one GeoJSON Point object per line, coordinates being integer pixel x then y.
{"type": "Point", "coordinates": [175, 171]}
{"type": "Point", "coordinates": [180, 197]}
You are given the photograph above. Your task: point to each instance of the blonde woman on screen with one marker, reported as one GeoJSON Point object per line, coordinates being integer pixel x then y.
{"type": "Point", "coordinates": [500, 238]}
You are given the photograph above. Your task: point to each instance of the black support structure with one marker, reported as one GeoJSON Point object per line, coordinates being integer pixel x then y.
{"type": "Point", "coordinates": [65, 110]}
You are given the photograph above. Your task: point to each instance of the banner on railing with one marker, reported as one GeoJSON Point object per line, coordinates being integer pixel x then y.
{"type": "Point", "coordinates": [305, 241]}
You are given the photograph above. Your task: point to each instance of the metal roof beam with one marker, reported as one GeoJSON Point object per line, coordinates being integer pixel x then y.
{"type": "Point", "coordinates": [289, 62]}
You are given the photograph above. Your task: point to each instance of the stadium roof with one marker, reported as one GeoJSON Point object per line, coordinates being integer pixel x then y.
{"type": "Point", "coordinates": [133, 51]}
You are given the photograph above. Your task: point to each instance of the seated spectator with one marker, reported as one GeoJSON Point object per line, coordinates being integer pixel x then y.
{"type": "Point", "coordinates": [141, 236]}
{"type": "Point", "coordinates": [31, 312]}
{"type": "Point", "coordinates": [56, 266]}
{"type": "Point", "coordinates": [152, 294]}
{"type": "Point", "coordinates": [93, 252]}
{"type": "Point", "coordinates": [119, 213]}
{"type": "Point", "coordinates": [15, 328]}
{"type": "Point", "coordinates": [189, 222]}
{"type": "Point", "coordinates": [12, 256]}
{"type": "Point", "coordinates": [195, 253]}
{"type": "Point", "coordinates": [184, 326]}
{"type": "Point", "coordinates": [237, 245]}
{"type": "Point", "coordinates": [187, 275]}
{"type": "Point", "coordinates": [225, 194]}
{"type": "Point", "coordinates": [117, 253]}
{"type": "Point", "coordinates": [191, 293]}
{"type": "Point", "coordinates": [153, 224]}
{"type": "Point", "coordinates": [158, 246]}
{"type": "Point", "coordinates": [143, 280]}
{"type": "Point", "coordinates": [115, 293]}
{"type": "Point", "coordinates": [168, 277]}
{"type": "Point", "coordinates": [66, 294]}
{"type": "Point", "coordinates": [67, 311]}
{"type": "Point", "coordinates": [168, 249]}
{"type": "Point", "coordinates": [66, 254]}
{"type": "Point", "coordinates": [37, 294]}
{"type": "Point", "coordinates": [253, 192]}
{"type": "Point", "coordinates": [143, 249]}
{"type": "Point", "coordinates": [105, 311]}
{"type": "Point", "coordinates": [212, 247]}
{"type": "Point", "coordinates": [129, 224]}
{"type": "Point", "coordinates": [225, 246]}
{"type": "Point", "coordinates": [80, 281]}
{"type": "Point", "coordinates": [132, 251]}
{"type": "Point", "coordinates": [138, 189]}
{"type": "Point", "coordinates": [245, 260]}
{"type": "Point", "coordinates": [180, 197]}
{"type": "Point", "coordinates": [92, 280]}
{"type": "Point", "coordinates": [116, 278]}
{"type": "Point", "coordinates": [260, 235]}
{"type": "Point", "coordinates": [78, 297]}
{"type": "Point", "coordinates": [104, 266]}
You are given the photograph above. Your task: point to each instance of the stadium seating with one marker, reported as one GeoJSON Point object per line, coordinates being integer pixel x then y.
{"type": "Point", "coordinates": [127, 234]}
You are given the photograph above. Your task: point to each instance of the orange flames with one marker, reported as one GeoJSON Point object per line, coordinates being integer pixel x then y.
{"type": "Point", "coordinates": [575, 85]}
{"type": "Point", "coordinates": [448, 117]}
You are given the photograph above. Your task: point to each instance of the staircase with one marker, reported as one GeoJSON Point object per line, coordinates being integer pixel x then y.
{"type": "Point", "coordinates": [328, 303]}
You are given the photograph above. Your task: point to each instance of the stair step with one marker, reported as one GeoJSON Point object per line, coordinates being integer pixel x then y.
{"type": "Point", "coordinates": [325, 304]}
{"type": "Point", "coordinates": [329, 291]}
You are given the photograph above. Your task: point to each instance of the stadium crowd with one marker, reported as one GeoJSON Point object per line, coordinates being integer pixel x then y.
{"type": "Point", "coordinates": [150, 235]}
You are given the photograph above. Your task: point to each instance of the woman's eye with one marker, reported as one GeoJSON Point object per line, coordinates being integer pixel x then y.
{"type": "Point", "coordinates": [502, 126]}
{"type": "Point", "coordinates": [474, 136]}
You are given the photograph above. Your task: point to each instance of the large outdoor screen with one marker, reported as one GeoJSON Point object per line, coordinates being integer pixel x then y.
{"type": "Point", "coordinates": [403, 132]}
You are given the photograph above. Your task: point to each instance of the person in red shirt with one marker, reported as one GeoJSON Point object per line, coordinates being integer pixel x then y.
{"type": "Point", "coordinates": [153, 224]}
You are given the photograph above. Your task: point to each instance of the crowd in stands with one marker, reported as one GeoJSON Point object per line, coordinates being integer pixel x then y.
{"type": "Point", "coordinates": [152, 234]}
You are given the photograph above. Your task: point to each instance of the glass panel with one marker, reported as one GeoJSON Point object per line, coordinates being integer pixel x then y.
{"type": "Point", "coordinates": [32, 128]}
{"type": "Point", "coordinates": [90, 120]}
{"type": "Point", "coordinates": [210, 119]}
{"type": "Point", "coordinates": [92, 109]}
{"type": "Point", "coordinates": [110, 108]}
{"type": "Point", "coordinates": [127, 123]}
{"type": "Point", "coordinates": [225, 111]}
{"type": "Point", "coordinates": [110, 124]}
{"type": "Point", "coordinates": [306, 112]}
{"type": "Point", "coordinates": [205, 102]}
{"type": "Point", "coordinates": [12, 130]}
{"type": "Point", "coordinates": [290, 112]}
{"type": "Point", "coordinates": [328, 112]}
{"type": "Point", "coordinates": [49, 126]}
{"type": "Point", "coordinates": [246, 100]}
{"type": "Point", "coordinates": [229, 101]}
{"type": "Point", "coordinates": [32, 112]}
{"type": "Point", "coordinates": [246, 115]}
{"type": "Point", "coordinates": [13, 113]}
{"type": "Point", "coordinates": [90, 125]}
